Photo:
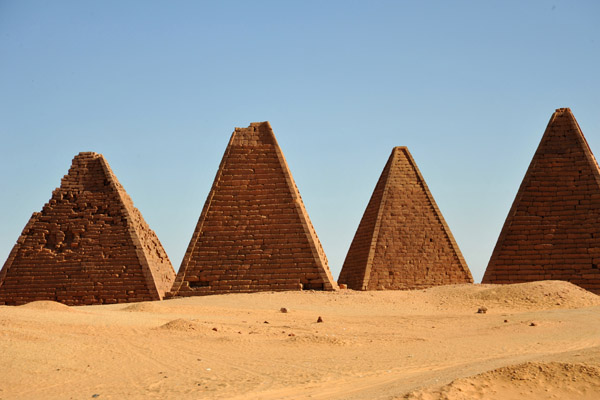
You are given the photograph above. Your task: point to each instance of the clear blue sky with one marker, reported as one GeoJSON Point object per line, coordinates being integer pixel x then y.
{"type": "Point", "coordinates": [158, 87]}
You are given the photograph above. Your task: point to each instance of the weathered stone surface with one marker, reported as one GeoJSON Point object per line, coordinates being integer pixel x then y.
{"type": "Point", "coordinates": [402, 241]}
{"type": "Point", "coordinates": [553, 228]}
{"type": "Point", "coordinates": [254, 233]}
{"type": "Point", "coordinates": [88, 245]}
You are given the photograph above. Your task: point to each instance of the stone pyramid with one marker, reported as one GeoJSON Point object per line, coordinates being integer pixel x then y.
{"type": "Point", "coordinates": [88, 245]}
{"type": "Point", "coordinates": [254, 233]}
{"type": "Point", "coordinates": [402, 241]}
{"type": "Point", "coordinates": [553, 228]}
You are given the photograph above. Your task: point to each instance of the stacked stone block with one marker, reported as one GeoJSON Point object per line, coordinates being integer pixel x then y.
{"type": "Point", "coordinates": [402, 241]}
{"type": "Point", "coordinates": [553, 228]}
{"type": "Point", "coordinates": [88, 245]}
{"type": "Point", "coordinates": [254, 233]}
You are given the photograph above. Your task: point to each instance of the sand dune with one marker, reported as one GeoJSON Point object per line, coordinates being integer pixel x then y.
{"type": "Point", "coordinates": [371, 345]}
{"type": "Point", "coordinates": [46, 305]}
{"type": "Point", "coordinates": [538, 380]}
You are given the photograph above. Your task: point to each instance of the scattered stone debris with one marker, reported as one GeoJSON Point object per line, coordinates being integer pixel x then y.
{"type": "Point", "coordinates": [95, 395]}
{"type": "Point", "coordinates": [482, 310]}
{"type": "Point", "coordinates": [319, 319]}
{"type": "Point", "coordinates": [291, 334]}
{"type": "Point", "coordinates": [283, 310]}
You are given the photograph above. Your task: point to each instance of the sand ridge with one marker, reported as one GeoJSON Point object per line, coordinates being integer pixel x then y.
{"type": "Point", "coordinates": [47, 305]}
{"type": "Point", "coordinates": [551, 380]}
{"type": "Point", "coordinates": [180, 324]}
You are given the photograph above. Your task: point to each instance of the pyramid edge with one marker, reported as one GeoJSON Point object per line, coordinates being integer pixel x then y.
{"type": "Point", "coordinates": [151, 283]}
{"type": "Point", "coordinates": [462, 262]}
{"type": "Point", "coordinates": [180, 277]}
{"type": "Point", "coordinates": [376, 228]}
{"type": "Point", "coordinates": [15, 249]}
{"type": "Point", "coordinates": [319, 257]}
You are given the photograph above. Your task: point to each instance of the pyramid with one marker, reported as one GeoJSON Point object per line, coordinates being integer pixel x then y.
{"type": "Point", "coordinates": [553, 228]}
{"type": "Point", "coordinates": [402, 241]}
{"type": "Point", "coordinates": [254, 233]}
{"type": "Point", "coordinates": [88, 245]}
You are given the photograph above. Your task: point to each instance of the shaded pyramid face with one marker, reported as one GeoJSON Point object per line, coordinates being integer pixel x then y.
{"type": "Point", "coordinates": [553, 228]}
{"type": "Point", "coordinates": [88, 245]}
{"type": "Point", "coordinates": [254, 233]}
{"type": "Point", "coordinates": [402, 241]}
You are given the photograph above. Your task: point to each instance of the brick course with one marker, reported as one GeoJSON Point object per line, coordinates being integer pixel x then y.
{"type": "Point", "coordinates": [88, 245]}
{"type": "Point", "coordinates": [254, 233]}
{"type": "Point", "coordinates": [402, 241]}
{"type": "Point", "coordinates": [552, 230]}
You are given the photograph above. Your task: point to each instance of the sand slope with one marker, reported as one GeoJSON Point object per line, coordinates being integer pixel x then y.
{"type": "Point", "coordinates": [538, 380]}
{"type": "Point", "coordinates": [370, 345]}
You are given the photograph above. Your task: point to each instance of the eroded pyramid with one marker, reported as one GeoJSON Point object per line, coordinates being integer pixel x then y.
{"type": "Point", "coordinates": [88, 245]}
{"type": "Point", "coordinates": [402, 241]}
{"type": "Point", "coordinates": [552, 230]}
{"type": "Point", "coordinates": [254, 233]}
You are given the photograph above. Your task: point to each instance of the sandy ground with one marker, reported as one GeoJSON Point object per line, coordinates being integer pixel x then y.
{"type": "Point", "coordinates": [538, 340]}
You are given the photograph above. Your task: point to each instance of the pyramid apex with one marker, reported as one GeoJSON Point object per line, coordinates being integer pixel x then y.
{"type": "Point", "coordinates": [264, 125]}
{"type": "Point", "coordinates": [400, 148]}
{"type": "Point", "coordinates": [400, 151]}
{"type": "Point", "coordinates": [86, 154]}
{"type": "Point", "coordinates": [256, 133]}
{"type": "Point", "coordinates": [563, 110]}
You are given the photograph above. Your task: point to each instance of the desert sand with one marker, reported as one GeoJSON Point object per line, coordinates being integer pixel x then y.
{"type": "Point", "coordinates": [537, 340]}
